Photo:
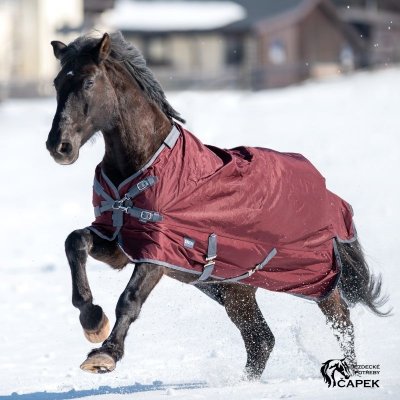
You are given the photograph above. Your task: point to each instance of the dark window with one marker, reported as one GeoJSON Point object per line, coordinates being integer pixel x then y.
{"type": "Point", "coordinates": [234, 53]}
{"type": "Point", "coordinates": [364, 29]}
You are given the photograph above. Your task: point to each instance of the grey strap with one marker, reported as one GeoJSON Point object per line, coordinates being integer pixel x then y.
{"type": "Point", "coordinates": [144, 215]}
{"type": "Point", "coordinates": [108, 204]}
{"type": "Point", "coordinates": [118, 207]}
{"type": "Point", "coordinates": [169, 142]}
{"type": "Point", "coordinates": [140, 186]}
{"type": "Point", "coordinates": [172, 137]}
{"type": "Point", "coordinates": [100, 191]}
{"type": "Point", "coordinates": [212, 247]}
{"type": "Point", "coordinates": [267, 259]}
{"type": "Point", "coordinates": [111, 204]}
{"type": "Point", "coordinates": [118, 218]}
{"type": "Point", "coordinates": [247, 274]}
{"type": "Point", "coordinates": [210, 258]}
{"type": "Point", "coordinates": [207, 271]}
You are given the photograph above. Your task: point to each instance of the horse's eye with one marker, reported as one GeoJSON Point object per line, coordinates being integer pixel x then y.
{"type": "Point", "coordinates": [88, 83]}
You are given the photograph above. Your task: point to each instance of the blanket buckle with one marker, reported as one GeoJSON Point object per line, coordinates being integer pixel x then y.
{"type": "Point", "coordinates": [119, 204]}
{"type": "Point", "coordinates": [210, 261]}
{"type": "Point", "coordinates": [146, 215]}
{"type": "Point", "coordinates": [208, 267]}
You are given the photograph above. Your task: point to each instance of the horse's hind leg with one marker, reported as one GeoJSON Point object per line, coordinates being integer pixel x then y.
{"type": "Point", "coordinates": [78, 245]}
{"type": "Point", "coordinates": [337, 315]}
{"type": "Point", "coordinates": [242, 308]}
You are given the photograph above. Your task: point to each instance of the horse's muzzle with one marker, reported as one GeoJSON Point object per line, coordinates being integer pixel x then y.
{"type": "Point", "coordinates": [63, 152]}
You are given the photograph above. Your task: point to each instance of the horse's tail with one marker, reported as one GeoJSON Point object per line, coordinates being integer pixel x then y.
{"type": "Point", "coordinates": [357, 283]}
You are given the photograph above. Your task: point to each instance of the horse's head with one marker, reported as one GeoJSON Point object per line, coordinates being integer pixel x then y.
{"type": "Point", "coordinates": [86, 101]}
{"type": "Point", "coordinates": [343, 368]}
{"type": "Point", "coordinates": [329, 368]}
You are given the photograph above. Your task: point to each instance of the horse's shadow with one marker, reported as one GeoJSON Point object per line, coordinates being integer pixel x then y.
{"type": "Point", "coordinates": [74, 394]}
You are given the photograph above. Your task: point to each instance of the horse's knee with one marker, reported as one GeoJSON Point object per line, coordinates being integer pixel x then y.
{"type": "Point", "coordinates": [144, 279]}
{"type": "Point", "coordinates": [76, 246]}
{"type": "Point", "coordinates": [77, 240]}
{"type": "Point", "coordinates": [128, 305]}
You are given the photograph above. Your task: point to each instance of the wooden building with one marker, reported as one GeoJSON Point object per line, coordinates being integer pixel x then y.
{"type": "Point", "coordinates": [267, 44]}
{"type": "Point", "coordinates": [205, 44]}
{"type": "Point", "coordinates": [27, 65]}
{"type": "Point", "coordinates": [378, 24]}
{"type": "Point", "coordinates": [304, 40]}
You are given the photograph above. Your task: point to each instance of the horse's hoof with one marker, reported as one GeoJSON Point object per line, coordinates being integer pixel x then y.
{"type": "Point", "coordinates": [100, 363]}
{"type": "Point", "coordinates": [101, 334]}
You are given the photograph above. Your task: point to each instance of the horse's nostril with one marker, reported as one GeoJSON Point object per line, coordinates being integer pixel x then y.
{"type": "Point", "coordinates": [65, 148]}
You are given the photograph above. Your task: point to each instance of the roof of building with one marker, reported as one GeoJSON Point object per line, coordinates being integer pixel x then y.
{"type": "Point", "coordinates": [167, 16]}
{"type": "Point", "coordinates": [374, 5]}
{"type": "Point", "coordinates": [257, 10]}
{"type": "Point", "coordinates": [194, 15]}
{"type": "Point", "coordinates": [234, 16]}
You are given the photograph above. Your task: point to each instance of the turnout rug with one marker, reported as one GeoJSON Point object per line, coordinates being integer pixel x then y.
{"type": "Point", "coordinates": [249, 215]}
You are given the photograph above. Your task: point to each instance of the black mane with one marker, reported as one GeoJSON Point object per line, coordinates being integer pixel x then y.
{"type": "Point", "coordinates": [126, 53]}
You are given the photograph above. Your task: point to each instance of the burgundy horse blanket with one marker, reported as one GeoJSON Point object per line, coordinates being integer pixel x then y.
{"type": "Point", "coordinates": [249, 215]}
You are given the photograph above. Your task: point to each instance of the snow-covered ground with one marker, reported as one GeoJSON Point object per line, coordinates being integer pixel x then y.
{"type": "Point", "coordinates": [183, 346]}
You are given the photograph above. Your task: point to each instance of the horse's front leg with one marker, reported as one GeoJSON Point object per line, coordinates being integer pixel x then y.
{"type": "Point", "coordinates": [78, 246]}
{"type": "Point", "coordinates": [144, 278]}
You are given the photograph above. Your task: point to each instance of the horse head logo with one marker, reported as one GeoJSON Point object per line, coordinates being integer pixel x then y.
{"type": "Point", "coordinates": [329, 368]}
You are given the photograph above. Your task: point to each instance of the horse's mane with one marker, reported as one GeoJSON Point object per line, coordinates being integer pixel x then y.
{"type": "Point", "coordinates": [125, 53]}
{"type": "Point", "coordinates": [324, 368]}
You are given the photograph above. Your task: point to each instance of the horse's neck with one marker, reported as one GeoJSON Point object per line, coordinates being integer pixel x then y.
{"type": "Point", "coordinates": [138, 132]}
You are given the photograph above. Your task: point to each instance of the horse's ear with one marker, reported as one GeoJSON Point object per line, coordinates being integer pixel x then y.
{"type": "Point", "coordinates": [103, 49]}
{"type": "Point", "coordinates": [58, 48]}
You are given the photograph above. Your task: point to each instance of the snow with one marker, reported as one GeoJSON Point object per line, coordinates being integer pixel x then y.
{"type": "Point", "coordinates": [183, 346]}
{"type": "Point", "coordinates": [172, 16]}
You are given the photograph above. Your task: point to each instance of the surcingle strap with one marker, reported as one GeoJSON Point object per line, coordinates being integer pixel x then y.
{"type": "Point", "coordinates": [258, 267]}
{"type": "Point", "coordinates": [210, 258]}
{"type": "Point", "coordinates": [247, 274]}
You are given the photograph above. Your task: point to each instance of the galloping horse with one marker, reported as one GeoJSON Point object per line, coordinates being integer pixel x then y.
{"type": "Point", "coordinates": [104, 85]}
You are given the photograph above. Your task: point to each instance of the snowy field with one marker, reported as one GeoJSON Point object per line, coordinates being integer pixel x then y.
{"type": "Point", "coordinates": [183, 346]}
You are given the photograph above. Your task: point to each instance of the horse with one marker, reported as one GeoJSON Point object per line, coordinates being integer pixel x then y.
{"type": "Point", "coordinates": [329, 368]}
{"type": "Point", "coordinates": [105, 86]}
